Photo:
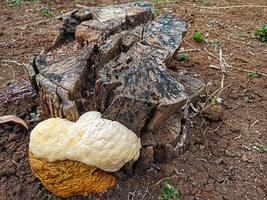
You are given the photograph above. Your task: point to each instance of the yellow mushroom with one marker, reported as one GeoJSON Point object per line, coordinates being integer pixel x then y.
{"type": "Point", "coordinates": [67, 178]}
{"type": "Point", "coordinates": [71, 158]}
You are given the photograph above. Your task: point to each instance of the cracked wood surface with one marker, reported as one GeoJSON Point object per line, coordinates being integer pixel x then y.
{"type": "Point", "coordinates": [115, 60]}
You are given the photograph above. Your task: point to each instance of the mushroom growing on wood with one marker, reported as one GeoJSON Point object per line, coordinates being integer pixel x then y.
{"type": "Point", "coordinates": [65, 155]}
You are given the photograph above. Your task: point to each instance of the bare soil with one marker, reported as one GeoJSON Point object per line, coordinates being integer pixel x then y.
{"type": "Point", "coordinates": [225, 158]}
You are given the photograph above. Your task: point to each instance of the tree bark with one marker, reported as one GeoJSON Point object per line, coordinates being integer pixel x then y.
{"type": "Point", "coordinates": [115, 60]}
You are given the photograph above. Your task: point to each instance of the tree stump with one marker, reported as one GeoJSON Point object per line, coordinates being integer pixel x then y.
{"type": "Point", "coordinates": [115, 60]}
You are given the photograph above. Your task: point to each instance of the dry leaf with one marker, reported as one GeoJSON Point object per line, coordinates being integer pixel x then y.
{"type": "Point", "coordinates": [245, 158]}
{"type": "Point", "coordinates": [13, 118]}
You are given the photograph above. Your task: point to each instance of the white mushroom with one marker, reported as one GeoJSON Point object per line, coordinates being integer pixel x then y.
{"type": "Point", "coordinates": [92, 140]}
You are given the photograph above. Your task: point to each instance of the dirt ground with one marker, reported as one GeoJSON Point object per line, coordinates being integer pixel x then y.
{"type": "Point", "coordinates": [226, 159]}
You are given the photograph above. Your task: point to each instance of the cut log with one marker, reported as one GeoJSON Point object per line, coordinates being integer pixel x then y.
{"type": "Point", "coordinates": [115, 60]}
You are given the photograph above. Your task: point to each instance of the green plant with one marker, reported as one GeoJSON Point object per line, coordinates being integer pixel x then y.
{"type": "Point", "coordinates": [209, 3]}
{"type": "Point", "coordinates": [261, 33]}
{"type": "Point", "coordinates": [183, 56]}
{"type": "Point", "coordinates": [15, 2]}
{"type": "Point", "coordinates": [264, 147]}
{"type": "Point", "coordinates": [213, 101]}
{"type": "Point", "coordinates": [198, 37]}
{"type": "Point", "coordinates": [216, 43]}
{"type": "Point", "coordinates": [254, 75]}
{"type": "Point", "coordinates": [157, 11]}
{"type": "Point", "coordinates": [18, 2]}
{"type": "Point", "coordinates": [157, 1]}
{"type": "Point", "coordinates": [214, 22]}
{"type": "Point", "coordinates": [168, 192]}
{"type": "Point", "coordinates": [46, 12]}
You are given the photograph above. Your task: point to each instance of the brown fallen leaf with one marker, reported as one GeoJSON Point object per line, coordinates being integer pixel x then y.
{"type": "Point", "coordinates": [245, 158]}
{"type": "Point", "coordinates": [13, 118]}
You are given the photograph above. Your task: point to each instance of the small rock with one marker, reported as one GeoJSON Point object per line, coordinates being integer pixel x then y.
{"type": "Point", "coordinates": [218, 161]}
{"type": "Point", "coordinates": [233, 173]}
{"type": "Point", "coordinates": [213, 112]}
{"type": "Point", "coordinates": [30, 179]}
{"type": "Point", "coordinates": [2, 158]}
{"type": "Point", "coordinates": [8, 168]}
{"type": "Point", "coordinates": [245, 158]}
{"type": "Point", "coordinates": [1, 34]}
{"type": "Point", "coordinates": [147, 157]}
{"type": "Point", "coordinates": [11, 147]}
{"type": "Point", "coordinates": [2, 142]}
{"type": "Point", "coordinates": [17, 156]}
{"type": "Point", "coordinates": [13, 136]}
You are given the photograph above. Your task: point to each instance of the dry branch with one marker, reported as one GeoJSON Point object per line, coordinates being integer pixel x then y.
{"type": "Point", "coordinates": [229, 7]}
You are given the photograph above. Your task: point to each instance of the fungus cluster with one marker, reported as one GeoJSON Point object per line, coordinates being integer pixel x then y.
{"type": "Point", "coordinates": [75, 157]}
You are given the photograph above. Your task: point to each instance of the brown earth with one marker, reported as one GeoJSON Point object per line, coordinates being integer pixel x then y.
{"type": "Point", "coordinates": [225, 159]}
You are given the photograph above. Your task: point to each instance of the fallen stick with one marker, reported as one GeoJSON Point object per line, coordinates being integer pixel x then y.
{"type": "Point", "coordinates": [239, 69]}
{"type": "Point", "coordinates": [80, 6]}
{"type": "Point", "coordinates": [188, 50]}
{"type": "Point", "coordinates": [15, 62]}
{"type": "Point", "coordinates": [227, 7]}
{"type": "Point", "coordinates": [222, 67]}
{"type": "Point", "coordinates": [220, 90]}
{"type": "Point", "coordinates": [189, 44]}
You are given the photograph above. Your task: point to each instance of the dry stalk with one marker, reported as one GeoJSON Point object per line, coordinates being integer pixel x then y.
{"type": "Point", "coordinates": [229, 7]}
{"type": "Point", "coordinates": [222, 67]}
{"type": "Point", "coordinates": [188, 50]}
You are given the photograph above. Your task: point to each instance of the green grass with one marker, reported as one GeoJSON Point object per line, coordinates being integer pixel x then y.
{"type": "Point", "coordinates": [254, 75]}
{"type": "Point", "coordinates": [168, 192]}
{"type": "Point", "coordinates": [216, 43]}
{"type": "Point", "coordinates": [183, 57]}
{"type": "Point", "coordinates": [198, 37]}
{"type": "Point", "coordinates": [15, 2]}
{"type": "Point", "coordinates": [46, 12]}
{"type": "Point", "coordinates": [213, 101]}
{"type": "Point", "coordinates": [19, 2]}
{"type": "Point", "coordinates": [261, 33]}
{"type": "Point", "coordinates": [157, 11]}
{"type": "Point", "coordinates": [214, 22]}
{"type": "Point", "coordinates": [264, 147]}
{"type": "Point", "coordinates": [209, 3]}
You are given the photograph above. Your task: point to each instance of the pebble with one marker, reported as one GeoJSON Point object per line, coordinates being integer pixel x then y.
{"type": "Point", "coordinates": [8, 168]}
{"type": "Point", "coordinates": [213, 113]}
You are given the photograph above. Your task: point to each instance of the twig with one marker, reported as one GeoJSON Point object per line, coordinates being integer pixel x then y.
{"type": "Point", "coordinates": [80, 6]}
{"type": "Point", "coordinates": [222, 67]}
{"type": "Point", "coordinates": [189, 44]}
{"type": "Point", "coordinates": [215, 92]}
{"type": "Point", "coordinates": [194, 108]}
{"type": "Point", "coordinates": [216, 129]}
{"type": "Point", "coordinates": [164, 179]}
{"type": "Point", "coordinates": [227, 7]}
{"type": "Point", "coordinates": [223, 89]}
{"type": "Point", "coordinates": [188, 50]}
{"type": "Point", "coordinates": [144, 194]}
{"type": "Point", "coordinates": [178, 173]}
{"type": "Point", "coordinates": [239, 69]}
{"type": "Point", "coordinates": [211, 54]}
{"type": "Point", "coordinates": [15, 62]}
{"type": "Point", "coordinates": [132, 194]}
